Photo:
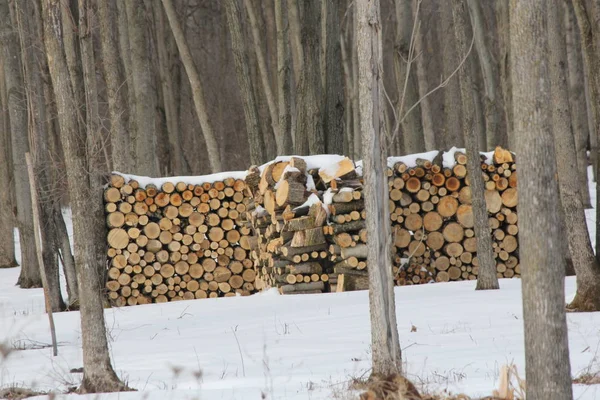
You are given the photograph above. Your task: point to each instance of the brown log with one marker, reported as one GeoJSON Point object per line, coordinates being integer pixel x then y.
{"type": "Point", "coordinates": [509, 243]}
{"type": "Point", "coordinates": [502, 156]}
{"type": "Point", "coordinates": [442, 263]}
{"type": "Point", "coordinates": [347, 282]}
{"type": "Point", "coordinates": [459, 170]}
{"type": "Point", "coordinates": [452, 184]}
{"type": "Point", "coordinates": [413, 222]}
{"type": "Point", "coordinates": [464, 215]}
{"type": "Point", "coordinates": [447, 206]}
{"type": "Point", "coordinates": [493, 201]}
{"type": "Point", "coordinates": [464, 195]}
{"type": "Point", "coordinates": [432, 221]}
{"type": "Point", "coordinates": [453, 249]}
{"type": "Point", "coordinates": [470, 244]}
{"type": "Point", "coordinates": [402, 238]}
{"type": "Point", "coordinates": [347, 227]}
{"type": "Point", "coordinates": [345, 208]}
{"type": "Point", "coordinates": [290, 192]}
{"type": "Point", "coordinates": [510, 197]}
{"type": "Point", "coordinates": [413, 185]}
{"type": "Point", "coordinates": [416, 248]}
{"type": "Point", "coordinates": [341, 168]}
{"type": "Point", "coordinates": [454, 273]}
{"type": "Point", "coordinates": [358, 251]}
{"type": "Point", "coordinates": [249, 275]}
{"type": "Point", "coordinates": [118, 238]}
{"type": "Point", "coordinates": [435, 240]}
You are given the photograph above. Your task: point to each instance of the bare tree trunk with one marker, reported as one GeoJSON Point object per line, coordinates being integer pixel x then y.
{"type": "Point", "coordinates": [408, 95]}
{"type": "Point", "coordinates": [548, 372]}
{"type": "Point", "coordinates": [577, 101]}
{"type": "Point", "coordinates": [333, 110]}
{"type": "Point", "coordinates": [477, 93]}
{"type": "Point", "coordinates": [486, 278]}
{"type": "Point", "coordinates": [115, 80]}
{"type": "Point", "coordinates": [503, 33]}
{"type": "Point", "coordinates": [212, 147]}
{"type": "Point", "coordinates": [125, 55]}
{"type": "Point", "coordinates": [144, 106]}
{"type": "Point", "coordinates": [86, 204]}
{"type": "Point", "coordinates": [73, 55]}
{"type": "Point", "coordinates": [422, 81]}
{"type": "Point", "coordinates": [492, 112]}
{"type": "Point", "coordinates": [240, 56]}
{"type": "Point", "coordinates": [452, 112]}
{"type": "Point", "coordinates": [283, 80]}
{"type": "Point", "coordinates": [30, 272]}
{"type": "Point", "coordinates": [296, 43]}
{"type": "Point", "coordinates": [7, 238]}
{"type": "Point", "coordinates": [309, 119]}
{"type": "Point", "coordinates": [385, 345]}
{"type": "Point", "coordinates": [591, 58]}
{"type": "Point", "coordinates": [355, 96]}
{"type": "Point", "coordinates": [582, 254]}
{"type": "Point", "coordinates": [349, 99]}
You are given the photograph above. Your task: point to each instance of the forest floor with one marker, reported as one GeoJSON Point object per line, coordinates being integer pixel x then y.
{"type": "Point", "coordinates": [454, 339]}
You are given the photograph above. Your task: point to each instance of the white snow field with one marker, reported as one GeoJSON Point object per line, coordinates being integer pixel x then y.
{"type": "Point", "coordinates": [286, 347]}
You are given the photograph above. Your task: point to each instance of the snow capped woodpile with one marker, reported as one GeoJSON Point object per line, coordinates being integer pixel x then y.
{"type": "Point", "coordinates": [298, 224]}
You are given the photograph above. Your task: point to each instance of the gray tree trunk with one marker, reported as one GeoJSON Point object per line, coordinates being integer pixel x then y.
{"type": "Point", "coordinates": [582, 254]}
{"type": "Point", "coordinates": [408, 95]}
{"type": "Point", "coordinates": [30, 272]}
{"type": "Point", "coordinates": [309, 119]}
{"type": "Point", "coordinates": [577, 101]}
{"type": "Point", "coordinates": [385, 345]}
{"type": "Point", "coordinates": [86, 205]}
{"type": "Point", "coordinates": [125, 54]}
{"type": "Point", "coordinates": [333, 110]}
{"type": "Point", "coordinates": [115, 79]}
{"type": "Point", "coordinates": [212, 147]}
{"type": "Point", "coordinates": [7, 238]}
{"type": "Point", "coordinates": [548, 372]}
{"type": "Point", "coordinates": [486, 278]}
{"type": "Point", "coordinates": [240, 57]}
{"type": "Point", "coordinates": [284, 69]}
{"type": "Point", "coordinates": [144, 107]}
{"type": "Point", "coordinates": [503, 33]}
{"type": "Point", "coordinates": [450, 60]}
{"type": "Point", "coordinates": [295, 41]}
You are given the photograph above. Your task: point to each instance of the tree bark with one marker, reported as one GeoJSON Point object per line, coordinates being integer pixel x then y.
{"type": "Point", "coordinates": [240, 57]}
{"type": "Point", "coordinates": [333, 110]}
{"type": "Point", "coordinates": [309, 119]}
{"type": "Point", "coordinates": [295, 42]}
{"type": "Point", "coordinates": [492, 112]}
{"type": "Point", "coordinates": [283, 80]}
{"type": "Point", "coordinates": [30, 272]}
{"type": "Point", "coordinates": [385, 344]}
{"type": "Point", "coordinates": [587, 269]}
{"type": "Point", "coordinates": [212, 147]}
{"type": "Point", "coordinates": [486, 278]}
{"type": "Point", "coordinates": [144, 106]}
{"type": "Point", "coordinates": [503, 33]}
{"type": "Point", "coordinates": [115, 79]}
{"type": "Point", "coordinates": [577, 101]}
{"type": "Point", "coordinates": [408, 95]}
{"type": "Point", "coordinates": [86, 205]}
{"type": "Point", "coordinates": [548, 372]}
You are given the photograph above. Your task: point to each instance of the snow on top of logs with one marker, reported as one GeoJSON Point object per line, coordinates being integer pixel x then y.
{"type": "Point", "coordinates": [190, 180]}
{"type": "Point", "coordinates": [411, 160]}
{"type": "Point", "coordinates": [448, 160]}
{"type": "Point", "coordinates": [312, 162]}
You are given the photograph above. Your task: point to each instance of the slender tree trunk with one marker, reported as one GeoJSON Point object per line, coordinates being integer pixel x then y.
{"type": "Point", "coordinates": [582, 254]}
{"type": "Point", "coordinates": [240, 56]}
{"type": "Point", "coordinates": [487, 278]}
{"type": "Point", "coordinates": [385, 345]}
{"type": "Point", "coordinates": [452, 112]}
{"type": "Point", "coordinates": [70, 17]}
{"type": "Point", "coordinates": [296, 43]}
{"type": "Point", "coordinates": [212, 147]}
{"type": "Point", "coordinates": [577, 101]}
{"type": "Point", "coordinates": [477, 93]}
{"type": "Point", "coordinates": [144, 106]}
{"type": "Point", "coordinates": [86, 205]}
{"type": "Point", "coordinates": [492, 112]}
{"type": "Point", "coordinates": [422, 81]}
{"type": "Point", "coordinates": [548, 372]}
{"type": "Point", "coordinates": [309, 120]}
{"type": "Point", "coordinates": [7, 238]}
{"type": "Point", "coordinates": [349, 95]}
{"type": "Point", "coordinates": [30, 272]}
{"type": "Point", "coordinates": [408, 95]}
{"type": "Point", "coordinates": [355, 97]}
{"type": "Point", "coordinates": [283, 80]}
{"type": "Point", "coordinates": [333, 110]}
{"type": "Point", "coordinates": [125, 55]}
{"type": "Point", "coordinates": [115, 79]}
{"type": "Point", "coordinates": [503, 33]}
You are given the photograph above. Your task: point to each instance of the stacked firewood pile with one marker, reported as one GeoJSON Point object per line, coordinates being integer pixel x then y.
{"type": "Point", "coordinates": [432, 219]}
{"type": "Point", "coordinates": [173, 241]}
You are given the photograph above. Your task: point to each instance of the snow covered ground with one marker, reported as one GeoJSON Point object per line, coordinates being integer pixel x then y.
{"type": "Point", "coordinates": [286, 347]}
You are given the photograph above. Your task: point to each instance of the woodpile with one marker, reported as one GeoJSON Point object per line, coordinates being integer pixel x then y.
{"type": "Point", "coordinates": [432, 219]}
{"type": "Point", "coordinates": [175, 240]}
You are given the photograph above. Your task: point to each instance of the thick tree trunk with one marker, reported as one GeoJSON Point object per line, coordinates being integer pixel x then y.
{"type": "Point", "coordinates": [333, 110]}
{"type": "Point", "coordinates": [115, 79]}
{"type": "Point", "coordinates": [284, 69]}
{"type": "Point", "coordinates": [577, 101]}
{"type": "Point", "coordinates": [7, 238]}
{"type": "Point", "coordinates": [548, 372]}
{"type": "Point", "coordinates": [450, 60]}
{"type": "Point", "coordinates": [295, 41]}
{"type": "Point", "coordinates": [144, 106]}
{"type": "Point", "coordinates": [487, 278]}
{"type": "Point", "coordinates": [309, 119]}
{"type": "Point", "coordinates": [240, 57]}
{"type": "Point", "coordinates": [408, 95]}
{"type": "Point", "coordinates": [30, 272]}
{"type": "Point", "coordinates": [212, 147]}
{"type": "Point", "coordinates": [86, 205]}
{"type": "Point", "coordinates": [385, 345]}
{"type": "Point", "coordinates": [492, 112]}
{"type": "Point", "coordinates": [582, 254]}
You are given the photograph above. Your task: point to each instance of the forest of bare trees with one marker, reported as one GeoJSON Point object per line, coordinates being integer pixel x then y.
{"type": "Point", "coordinates": [189, 87]}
